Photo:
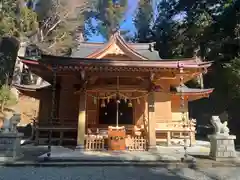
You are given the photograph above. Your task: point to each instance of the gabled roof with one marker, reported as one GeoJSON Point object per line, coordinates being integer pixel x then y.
{"type": "Point", "coordinates": [129, 57]}
{"type": "Point", "coordinates": [143, 51]}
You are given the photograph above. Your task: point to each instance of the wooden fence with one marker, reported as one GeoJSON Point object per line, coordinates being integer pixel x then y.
{"type": "Point", "coordinates": [133, 143]}
{"type": "Point", "coordinates": [136, 143]}
{"type": "Point", "coordinates": [94, 143]}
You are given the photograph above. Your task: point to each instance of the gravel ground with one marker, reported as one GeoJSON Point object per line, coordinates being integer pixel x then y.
{"type": "Point", "coordinates": [117, 173]}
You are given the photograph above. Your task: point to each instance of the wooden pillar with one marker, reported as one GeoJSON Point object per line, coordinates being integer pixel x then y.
{"type": "Point", "coordinates": [81, 121]}
{"type": "Point", "coordinates": [151, 123]}
{"type": "Point", "coordinates": [192, 138]}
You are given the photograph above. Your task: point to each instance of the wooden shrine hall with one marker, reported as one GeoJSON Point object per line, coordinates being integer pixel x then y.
{"type": "Point", "coordinates": [114, 95]}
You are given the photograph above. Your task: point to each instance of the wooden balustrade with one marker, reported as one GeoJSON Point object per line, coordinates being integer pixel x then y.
{"type": "Point", "coordinates": [168, 132]}
{"type": "Point", "coordinates": [179, 125]}
{"type": "Point", "coordinates": [60, 129]}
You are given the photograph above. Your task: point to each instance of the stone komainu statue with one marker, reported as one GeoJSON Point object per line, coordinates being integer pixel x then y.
{"type": "Point", "coordinates": [219, 127]}
{"type": "Point", "coordinates": [10, 124]}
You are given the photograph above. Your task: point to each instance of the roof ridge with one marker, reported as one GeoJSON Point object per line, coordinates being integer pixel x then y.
{"type": "Point", "coordinates": [130, 48]}
{"type": "Point", "coordinates": [106, 46]}
{"type": "Point", "coordinates": [85, 42]}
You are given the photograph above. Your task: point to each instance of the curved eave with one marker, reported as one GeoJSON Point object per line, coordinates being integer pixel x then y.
{"type": "Point", "coordinates": [33, 91]}
{"type": "Point", "coordinates": [195, 93]}
{"type": "Point", "coordinates": [49, 59]}
{"type": "Point", "coordinates": [28, 61]}
{"type": "Point", "coordinates": [32, 62]}
{"type": "Point", "coordinates": [86, 63]}
{"type": "Point", "coordinates": [191, 96]}
{"type": "Point", "coordinates": [31, 88]}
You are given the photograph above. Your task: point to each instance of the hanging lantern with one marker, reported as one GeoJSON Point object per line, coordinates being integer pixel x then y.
{"type": "Point", "coordinates": [129, 103]}
{"type": "Point", "coordinates": [125, 100]}
{"type": "Point", "coordinates": [108, 100]}
{"type": "Point", "coordinates": [103, 103]}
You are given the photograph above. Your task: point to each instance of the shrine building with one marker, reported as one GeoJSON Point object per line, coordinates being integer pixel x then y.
{"type": "Point", "coordinates": [114, 84]}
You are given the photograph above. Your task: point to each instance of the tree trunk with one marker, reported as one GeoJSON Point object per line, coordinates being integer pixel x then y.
{"type": "Point", "coordinates": [2, 106]}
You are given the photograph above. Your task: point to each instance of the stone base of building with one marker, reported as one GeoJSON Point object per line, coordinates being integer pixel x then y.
{"type": "Point", "coordinates": [152, 148]}
{"type": "Point", "coordinates": [222, 147]}
{"type": "Point", "coordinates": [10, 146]}
{"type": "Point", "coordinates": [80, 147]}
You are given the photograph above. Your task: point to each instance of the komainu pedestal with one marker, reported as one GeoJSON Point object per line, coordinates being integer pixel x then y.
{"type": "Point", "coordinates": [10, 148]}
{"type": "Point", "coordinates": [222, 144]}
{"type": "Point", "coordinates": [222, 147]}
{"type": "Point", "coordinates": [10, 139]}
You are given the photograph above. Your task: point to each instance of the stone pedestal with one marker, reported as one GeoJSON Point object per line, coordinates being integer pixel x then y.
{"type": "Point", "coordinates": [10, 149]}
{"type": "Point", "coordinates": [222, 147]}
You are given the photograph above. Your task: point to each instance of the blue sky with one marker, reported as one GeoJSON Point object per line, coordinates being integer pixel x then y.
{"type": "Point", "coordinates": [126, 25]}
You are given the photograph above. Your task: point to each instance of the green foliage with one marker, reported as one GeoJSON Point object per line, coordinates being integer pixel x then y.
{"type": "Point", "coordinates": [16, 20]}
{"type": "Point", "coordinates": [209, 29]}
{"type": "Point", "coordinates": [232, 70]}
{"type": "Point", "coordinates": [202, 28]}
{"type": "Point", "coordinates": [6, 97]}
{"type": "Point", "coordinates": [143, 20]}
{"type": "Point", "coordinates": [28, 21]}
{"type": "Point", "coordinates": [6, 65]}
{"type": "Point", "coordinates": [108, 16]}
{"type": "Point", "coordinates": [60, 21]}
{"type": "Point", "coordinates": [166, 32]}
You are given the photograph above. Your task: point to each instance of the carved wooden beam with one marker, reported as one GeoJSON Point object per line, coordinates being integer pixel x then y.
{"type": "Point", "coordinates": [141, 78]}
{"type": "Point", "coordinates": [83, 74]}
{"type": "Point", "coordinates": [152, 76]}
{"type": "Point", "coordinates": [113, 87]}
{"type": "Point", "coordinates": [93, 79]}
{"type": "Point", "coordinates": [163, 75]}
{"type": "Point", "coordinates": [166, 78]}
{"type": "Point", "coordinates": [114, 91]}
{"type": "Point", "coordinates": [119, 74]}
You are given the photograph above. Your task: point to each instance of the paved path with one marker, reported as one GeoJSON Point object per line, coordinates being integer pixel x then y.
{"type": "Point", "coordinates": [117, 173]}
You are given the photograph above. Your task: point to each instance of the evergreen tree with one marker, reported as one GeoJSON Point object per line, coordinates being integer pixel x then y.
{"type": "Point", "coordinates": [143, 21]}
{"type": "Point", "coordinates": [16, 20]}
{"type": "Point", "coordinates": [108, 14]}
{"type": "Point", "coordinates": [209, 29]}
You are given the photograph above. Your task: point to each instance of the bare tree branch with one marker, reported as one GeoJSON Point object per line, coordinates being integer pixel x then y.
{"type": "Point", "coordinates": [61, 12]}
